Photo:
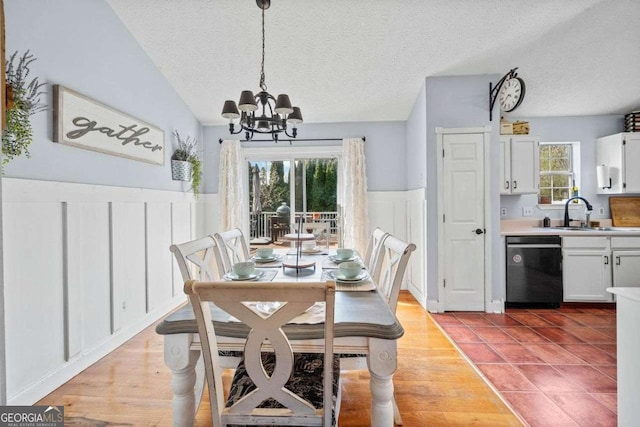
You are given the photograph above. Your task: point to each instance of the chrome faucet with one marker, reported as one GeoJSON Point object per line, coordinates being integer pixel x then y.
{"type": "Point", "coordinates": [587, 213]}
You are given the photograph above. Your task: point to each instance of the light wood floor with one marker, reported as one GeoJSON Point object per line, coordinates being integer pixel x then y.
{"type": "Point", "coordinates": [435, 386]}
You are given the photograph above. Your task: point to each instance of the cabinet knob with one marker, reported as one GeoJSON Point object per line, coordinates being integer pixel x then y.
{"type": "Point", "coordinates": [478, 231]}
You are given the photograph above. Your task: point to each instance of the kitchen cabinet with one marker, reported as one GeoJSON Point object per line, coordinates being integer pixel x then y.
{"type": "Point", "coordinates": [620, 154]}
{"type": "Point", "coordinates": [592, 264]}
{"type": "Point", "coordinates": [586, 269]}
{"type": "Point", "coordinates": [519, 164]}
{"type": "Point", "coordinates": [625, 261]}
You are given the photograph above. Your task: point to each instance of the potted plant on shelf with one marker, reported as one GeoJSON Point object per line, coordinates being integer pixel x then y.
{"type": "Point", "coordinates": [185, 163]}
{"type": "Point", "coordinates": [23, 101]}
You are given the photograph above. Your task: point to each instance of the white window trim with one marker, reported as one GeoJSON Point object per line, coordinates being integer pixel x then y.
{"type": "Point", "coordinates": [576, 160]}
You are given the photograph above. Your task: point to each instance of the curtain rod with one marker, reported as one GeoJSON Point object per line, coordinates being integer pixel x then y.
{"type": "Point", "coordinates": [291, 140]}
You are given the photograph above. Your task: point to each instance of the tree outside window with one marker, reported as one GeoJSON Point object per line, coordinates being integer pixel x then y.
{"type": "Point", "coordinates": [557, 171]}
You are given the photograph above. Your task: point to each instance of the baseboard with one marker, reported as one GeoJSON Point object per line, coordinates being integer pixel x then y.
{"type": "Point", "coordinates": [73, 367]}
{"type": "Point", "coordinates": [434, 306]}
{"type": "Point", "coordinates": [496, 306]}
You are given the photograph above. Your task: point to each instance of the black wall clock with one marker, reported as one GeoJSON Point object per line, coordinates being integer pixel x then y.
{"type": "Point", "coordinates": [509, 92]}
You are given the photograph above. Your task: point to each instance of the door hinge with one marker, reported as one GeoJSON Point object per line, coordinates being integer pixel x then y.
{"type": "Point", "coordinates": [443, 217]}
{"type": "Point", "coordinates": [624, 185]}
{"type": "Point", "coordinates": [444, 283]}
{"type": "Point", "coordinates": [443, 152]}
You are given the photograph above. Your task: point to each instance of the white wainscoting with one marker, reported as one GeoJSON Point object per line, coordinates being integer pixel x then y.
{"type": "Point", "coordinates": [86, 267]}
{"type": "Point", "coordinates": [402, 213]}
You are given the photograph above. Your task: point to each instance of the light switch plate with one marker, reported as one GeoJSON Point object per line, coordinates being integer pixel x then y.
{"type": "Point", "coordinates": [601, 211]}
{"type": "Point", "coordinates": [503, 212]}
{"type": "Point", "coordinates": [527, 211]}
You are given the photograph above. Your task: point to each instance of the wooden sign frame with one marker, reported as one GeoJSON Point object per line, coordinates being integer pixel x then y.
{"type": "Point", "coordinates": [82, 122]}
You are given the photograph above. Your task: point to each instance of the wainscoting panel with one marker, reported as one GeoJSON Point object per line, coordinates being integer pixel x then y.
{"type": "Point", "coordinates": [88, 275]}
{"type": "Point", "coordinates": [180, 232]}
{"type": "Point", "coordinates": [86, 267]}
{"type": "Point", "coordinates": [33, 280]}
{"type": "Point", "coordinates": [402, 213]}
{"type": "Point", "coordinates": [417, 220]}
{"type": "Point", "coordinates": [128, 263]}
{"type": "Point", "coordinates": [159, 271]}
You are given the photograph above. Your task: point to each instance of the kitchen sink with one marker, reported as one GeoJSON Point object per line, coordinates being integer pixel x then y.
{"type": "Point", "coordinates": [561, 227]}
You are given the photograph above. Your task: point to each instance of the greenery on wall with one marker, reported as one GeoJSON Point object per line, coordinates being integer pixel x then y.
{"type": "Point", "coordinates": [187, 152]}
{"type": "Point", "coordinates": [23, 101]}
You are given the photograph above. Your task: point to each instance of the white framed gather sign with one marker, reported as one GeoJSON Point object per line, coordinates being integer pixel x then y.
{"type": "Point", "coordinates": [82, 122]}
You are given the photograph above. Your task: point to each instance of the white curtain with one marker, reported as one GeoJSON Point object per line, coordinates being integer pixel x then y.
{"type": "Point", "coordinates": [232, 182]}
{"type": "Point", "coordinates": [354, 194]}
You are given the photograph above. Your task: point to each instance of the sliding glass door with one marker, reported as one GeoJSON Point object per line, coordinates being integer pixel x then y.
{"type": "Point", "coordinates": [291, 190]}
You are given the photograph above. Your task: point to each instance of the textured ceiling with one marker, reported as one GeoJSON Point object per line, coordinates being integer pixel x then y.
{"type": "Point", "coordinates": [344, 61]}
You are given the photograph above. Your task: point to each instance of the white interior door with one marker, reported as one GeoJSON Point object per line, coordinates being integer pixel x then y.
{"type": "Point", "coordinates": [463, 221]}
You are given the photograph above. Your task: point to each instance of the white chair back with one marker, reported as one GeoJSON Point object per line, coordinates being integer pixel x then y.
{"type": "Point", "coordinates": [233, 248]}
{"type": "Point", "coordinates": [241, 300]}
{"type": "Point", "coordinates": [374, 249]}
{"type": "Point", "coordinates": [196, 259]}
{"type": "Point", "coordinates": [389, 274]}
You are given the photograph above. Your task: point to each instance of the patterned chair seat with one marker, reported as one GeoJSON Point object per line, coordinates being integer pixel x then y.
{"type": "Point", "coordinates": [306, 380]}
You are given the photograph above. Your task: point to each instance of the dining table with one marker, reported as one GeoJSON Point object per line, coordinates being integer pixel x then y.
{"type": "Point", "coordinates": [364, 324]}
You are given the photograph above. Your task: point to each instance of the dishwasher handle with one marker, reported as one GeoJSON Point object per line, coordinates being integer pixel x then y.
{"type": "Point", "coordinates": [533, 245]}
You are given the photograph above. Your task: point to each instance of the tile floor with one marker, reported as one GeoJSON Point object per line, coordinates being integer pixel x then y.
{"type": "Point", "coordinates": [555, 367]}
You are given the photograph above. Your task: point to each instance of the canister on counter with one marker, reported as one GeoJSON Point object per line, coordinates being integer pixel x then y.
{"type": "Point", "coordinates": [546, 222]}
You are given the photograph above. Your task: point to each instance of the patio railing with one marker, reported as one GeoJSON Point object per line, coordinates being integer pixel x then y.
{"type": "Point", "coordinates": [261, 224]}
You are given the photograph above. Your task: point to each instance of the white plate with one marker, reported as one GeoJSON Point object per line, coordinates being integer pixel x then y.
{"type": "Point", "coordinates": [312, 250]}
{"type": "Point", "coordinates": [337, 260]}
{"type": "Point", "coordinates": [266, 259]}
{"type": "Point", "coordinates": [234, 276]}
{"type": "Point", "coordinates": [338, 276]}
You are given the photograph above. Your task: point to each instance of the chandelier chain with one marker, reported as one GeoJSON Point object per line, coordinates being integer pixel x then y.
{"type": "Point", "coordinates": [263, 85]}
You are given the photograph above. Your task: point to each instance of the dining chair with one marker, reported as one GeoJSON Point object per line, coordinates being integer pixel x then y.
{"type": "Point", "coordinates": [272, 385]}
{"type": "Point", "coordinates": [387, 270]}
{"type": "Point", "coordinates": [196, 262]}
{"type": "Point", "coordinates": [233, 248]}
{"type": "Point", "coordinates": [196, 259]}
{"type": "Point", "coordinates": [374, 248]}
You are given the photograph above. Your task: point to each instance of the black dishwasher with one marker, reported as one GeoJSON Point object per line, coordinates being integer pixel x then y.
{"type": "Point", "coordinates": [534, 271]}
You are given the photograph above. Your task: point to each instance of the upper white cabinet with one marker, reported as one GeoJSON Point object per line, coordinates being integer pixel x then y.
{"type": "Point", "coordinates": [519, 164]}
{"type": "Point", "coordinates": [620, 156]}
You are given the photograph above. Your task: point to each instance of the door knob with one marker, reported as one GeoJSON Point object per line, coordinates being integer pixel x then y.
{"type": "Point", "coordinates": [478, 231]}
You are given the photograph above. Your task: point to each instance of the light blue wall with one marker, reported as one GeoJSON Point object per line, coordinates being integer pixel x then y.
{"type": "Point", "coordinates": [584, 129]}
{"type": "Point", "coordinates": [417, 143]}
{"type": "Point", "coordinates": [82, 44]}
{"type": "Point", "coordinates": [385, 150]}
{"type": "Point", "coordinates": [455, 102]}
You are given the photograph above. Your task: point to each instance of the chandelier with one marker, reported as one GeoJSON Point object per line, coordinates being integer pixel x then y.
{"type": "Point", "coordinates": [262, 113]}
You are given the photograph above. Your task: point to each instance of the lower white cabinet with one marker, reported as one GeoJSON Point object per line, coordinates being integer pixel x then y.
{"type": "Point", "coordinates": [592, 264]}
{"type": "Point", "coordinates": [586, 269]}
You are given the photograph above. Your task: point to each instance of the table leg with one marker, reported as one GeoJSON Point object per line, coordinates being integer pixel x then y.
{"type": "Point", "coordinates": [382, 364]}
{"type": "Point", "coordinates": [185, 385]}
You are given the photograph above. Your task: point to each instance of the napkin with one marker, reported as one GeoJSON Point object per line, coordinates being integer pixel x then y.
{"type": "Point", "coordinates": [313, 315]}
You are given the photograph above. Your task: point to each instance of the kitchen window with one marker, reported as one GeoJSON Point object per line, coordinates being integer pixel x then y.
{"type": "Point", "coordinates": [559, 171]}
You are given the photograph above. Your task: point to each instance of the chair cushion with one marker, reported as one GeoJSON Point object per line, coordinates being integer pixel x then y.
{"type": "Point", "coordinates": [348, 355]}
{"type": "Point", "coordinates": [306, 380]}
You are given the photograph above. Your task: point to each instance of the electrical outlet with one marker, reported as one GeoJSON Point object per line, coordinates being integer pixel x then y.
{"type": "Point", "coordinates": [601, 211]}
{"type": "Point", "coordinates": [503, 212]}
{"type": "Point", "coordinates": [527, 211]}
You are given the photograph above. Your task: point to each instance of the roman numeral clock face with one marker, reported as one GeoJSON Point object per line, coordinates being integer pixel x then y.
{"type": "Point", "coordinates": [511, 94]}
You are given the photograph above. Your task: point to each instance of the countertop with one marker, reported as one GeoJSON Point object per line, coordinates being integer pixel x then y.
{"type": "Point", "coordinates": [533, 227]}
{"type": "Point", "coordinates": [631, 293]}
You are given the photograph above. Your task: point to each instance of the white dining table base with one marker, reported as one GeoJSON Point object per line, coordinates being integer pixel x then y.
{"type": "Point", "coordinates": [182, 356]}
